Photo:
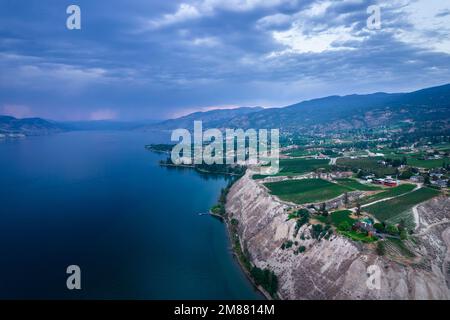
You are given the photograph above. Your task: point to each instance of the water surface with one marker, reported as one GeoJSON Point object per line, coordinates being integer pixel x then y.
{"type": "Point", "coordinates": [99, 200]}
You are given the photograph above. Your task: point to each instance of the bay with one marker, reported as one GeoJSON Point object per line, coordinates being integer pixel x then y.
{"type": "Point", "coordinates": [99, 200]}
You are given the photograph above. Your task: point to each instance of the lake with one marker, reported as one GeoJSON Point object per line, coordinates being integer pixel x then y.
{"type": "Point", "coordinates": [99, 200]}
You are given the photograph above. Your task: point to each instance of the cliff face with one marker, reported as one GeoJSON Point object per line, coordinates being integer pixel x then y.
{"type": "Point", "coordinates": [338, 268]}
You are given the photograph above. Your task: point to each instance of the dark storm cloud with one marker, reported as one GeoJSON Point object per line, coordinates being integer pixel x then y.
{"type": "Point", "coordinates": [152, 59]}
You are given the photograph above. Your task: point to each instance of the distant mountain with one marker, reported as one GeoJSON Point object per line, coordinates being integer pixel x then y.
{"type": "Point", "coordinates": [213, 119]}
{"type": "Point", "coordinates": [105, 125]}
{"type": "Point", "coordinates": [28, 126]}
{"type": "Point", "coordinates": [428, 107]}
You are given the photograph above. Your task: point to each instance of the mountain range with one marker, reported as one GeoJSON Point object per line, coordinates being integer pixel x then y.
{"type": "Point", "coordinates": [28, 126]}
{"type": "Point", "coordinates": [216, 118]}
{"type": "Point", "coordinates": [429, 108]}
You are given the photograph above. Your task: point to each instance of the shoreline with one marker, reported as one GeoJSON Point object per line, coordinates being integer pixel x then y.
{"type": "Point", "coordinates": [225, 219]}
{"type": "Point", "coordinates": [265, 294]}
{"type": "Point", "coordinates": [190, 166]}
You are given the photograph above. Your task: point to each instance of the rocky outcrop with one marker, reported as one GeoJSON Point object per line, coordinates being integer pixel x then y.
{"type": "Point", "coordinates": [336, 268]}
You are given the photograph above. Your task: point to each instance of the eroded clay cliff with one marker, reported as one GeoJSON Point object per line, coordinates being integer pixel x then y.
{"type": "Point", "coordinates": [337, 268]}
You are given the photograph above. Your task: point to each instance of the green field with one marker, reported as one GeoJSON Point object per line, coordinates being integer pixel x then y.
{"type": "Point", "coordinates": [391, 208]}
{"type": "Point", "coordinates": [366, 164]}
{"type": "Point", "coordinates": [340, 216]}
{"type": "Point", "coordinates": [414, 159]}
{"type": "Point", "coordinates": [355, 185]}
{"type": "Point", "coordinates": [335, 218]}
{"type": "Point", "coordinates": [428, 164]}
{"type": "Point", "coordinates": [306, 190]}
{"type": "Point", "coordinates": [301, 166]}
{"type": "Point", "coordinates": [392, 192]}
{"type": "Point", "coordinates": [357, 236]}
{"type": "Point", "coordinates": [299, 153]}
{"type": "Point", "coordinates": [295, 167]}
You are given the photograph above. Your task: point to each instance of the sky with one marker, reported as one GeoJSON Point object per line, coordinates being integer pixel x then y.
{"type": "Point", "coordinates": [157, 59]}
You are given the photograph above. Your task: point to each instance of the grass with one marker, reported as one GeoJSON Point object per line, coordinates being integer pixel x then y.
{"type": "Point", "coordinates": [427, 164]}
{"type": "Point", "coordinates": [356, 236]}
{"type": "Point", "coordinates": [355, 185]}
{"type": "Point", "coordinates": [306, 190]}
{"type": "Point", "coordinates": [295, 167]}
{"type": "Point", "coordinates": [392, 192]}
{"type": "Point", "coordinates": [366, 164]}
{"type": "Point", "coordinates": [414, 159]}
{"type": "Point", "coordinates": [338, 217]}
{"type": "Point", "coordinates": [301, 166]}
{"type": "Point", "coordinates": [391, 208]}
{"type": "Point", "coordinates": [300, 153]}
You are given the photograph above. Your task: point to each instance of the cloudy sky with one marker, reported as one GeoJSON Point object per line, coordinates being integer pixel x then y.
{"type": "Point", "coordinates": [154, 59]}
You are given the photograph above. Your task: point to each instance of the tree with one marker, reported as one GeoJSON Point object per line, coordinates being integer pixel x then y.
{"type": "Point", "coordinates": [404, 234]}
{"type": "Point", "coordinates": [381, 250]}
{"type": "Point", "coordinates": [346, 198]}
{"type": "Point", "coordinates": [406, 175]}
{"type": "Point", "coordinates": [393, 230]}
{"type": "Point", "coordinates": [265, 278]}
{"type": "Point", "coordinates": [358, 209]}
{"type": "Point", "coordinates": [379, 227]}
{"type": "Point", "coordinates": [402, 225]}
{"type": "Point", "coordinates": [404, 161]}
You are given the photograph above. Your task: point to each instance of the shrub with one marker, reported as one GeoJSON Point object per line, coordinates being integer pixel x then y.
{"type": "Point", "coordinates": [403, 234]}
{"type": "Point", "coordinates": [381, 250]}
{"type": "Point", "coordinates": [302, 220]}
{"type": "Point", "coordinates": [287, 244]}
{"type": "Point", "coordinates": [266, 279]}
{"type": "Point", "coordinates": [392, 230]}
{"type": "Point", "coordinates": [379, 227]}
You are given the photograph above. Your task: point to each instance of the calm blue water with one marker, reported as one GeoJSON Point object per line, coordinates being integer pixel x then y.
{"type": "Point", "coordinates": [99, 200]}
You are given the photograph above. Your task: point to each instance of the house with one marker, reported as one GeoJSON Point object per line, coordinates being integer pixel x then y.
{"type": "Point", "coordinates": [441, 183]}
{"type": "Point", "coordinates": [365, 225]}
{"type": "Point", "coordinates": [436, 174]}
{"type": "Point", "coordinates": [389, 182]}
{"type": "Point", "coordinates": [322, 156]}
{"type": "Point", "coordinates": [417, 179]}
{"type": "Point", "coordinates": [378, 181]}
{"type": "Point", "coordinates": [341, 174]}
